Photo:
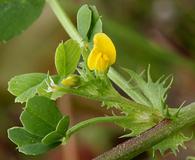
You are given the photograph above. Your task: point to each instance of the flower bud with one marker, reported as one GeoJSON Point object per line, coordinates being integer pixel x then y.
{"type": "Point", "coordinates": [71, 81]}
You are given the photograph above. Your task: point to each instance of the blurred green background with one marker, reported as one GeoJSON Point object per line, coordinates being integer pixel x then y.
{"type": "Point", "coordinates": [156, 32]}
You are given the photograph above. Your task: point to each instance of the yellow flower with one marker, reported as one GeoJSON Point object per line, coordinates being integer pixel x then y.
{"type": "Point", "coordinates": [71, 81]}
{"type": "Point", "coordinates": [103, 53]}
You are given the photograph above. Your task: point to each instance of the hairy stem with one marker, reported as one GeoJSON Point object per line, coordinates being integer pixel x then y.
{"type": "Point", "coordinates": [139, 144]}
{"type": "Point", "coordinates": [92, 121]}
{"type": "Point", "coordinates": [124, 103]}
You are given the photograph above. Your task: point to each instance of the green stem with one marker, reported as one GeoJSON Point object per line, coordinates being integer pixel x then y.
{"type": "Point", "coordinates": [92, 121]}
{"type": "Point", "coordinates": [133, 147]}
{"type": "Point", "coordinates": [115, 97]}
{"type": "Point", "coordinates": [65, 21]}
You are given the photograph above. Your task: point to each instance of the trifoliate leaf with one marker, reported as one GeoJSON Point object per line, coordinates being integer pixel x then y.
{"type": "Point", "coordinates": [25, 86]}
{"type": "Point", "coordinates": [67, 57]}
{"type": "Point", "coordinates": [43, 127]}
{"type": "Point", "coordinates": [40, 116]}
{"type": "Point", "coordinates": [172, 143]}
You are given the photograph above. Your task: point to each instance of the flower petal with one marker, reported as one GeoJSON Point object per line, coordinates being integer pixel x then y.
{"type": "Point", "coordinates": [103, 44]}
{"type": "Point", "coordinates": [91, 61]}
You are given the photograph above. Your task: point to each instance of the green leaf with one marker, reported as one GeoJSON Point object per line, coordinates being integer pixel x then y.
{"type": "Point", "coordinates": [62, 126]}
{"type": "Point", "coordinates": [28, 143]}
{"type": "Point", "coordinates": [67, 57]}
{"type": "Point", "coordinates": [52, 137]}
{"type": "Point", "coordinates": [84, 20]}
{"type": "Point", "coordinates": [17, 15]}
{"type": "Point", "coordinates": [25, 86]}
{"type": "Point", "coordinates": [36, 148]}
{"type": "Point", "coordinates": [59, 133]}
{"type": "Point", "coordinates": [148, 92]}
{"type": "Point", "coordinates": [40, 116]}
{"type": "Point", "coordinates": [96, 24]}
{"type": "Point", "coordinates": [95, 14]}
{"type": "Point", "coordinates": [44, 127]}
{"type": "Point", "coordinates": [172, 142]}
{"type": "Point", "coordinates": [21, 137]}
{"type": "Point", "coordinates": [97, 28]}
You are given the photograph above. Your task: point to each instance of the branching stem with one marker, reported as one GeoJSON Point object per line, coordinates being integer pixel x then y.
{"type": "Point", "coordinates": [146, 140]}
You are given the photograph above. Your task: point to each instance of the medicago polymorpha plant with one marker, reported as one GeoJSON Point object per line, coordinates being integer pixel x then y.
{"type": "Point", "coordinates": [83, 64]}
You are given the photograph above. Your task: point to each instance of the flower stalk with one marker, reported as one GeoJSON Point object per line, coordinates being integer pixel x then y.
{"type": "Point", "coordinates": [93, 121]}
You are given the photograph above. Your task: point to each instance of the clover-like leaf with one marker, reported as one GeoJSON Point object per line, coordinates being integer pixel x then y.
{"type": "Point", "coordinates": [44, 127]}
{"type": "Point", "coordinates": [17, 15]}
{"type": "Point", "coordinates": [67, 57]}
{"type": "Point", "coordinates": [40, 116]}
{"type": "Point", "coordinates": [25, 86]}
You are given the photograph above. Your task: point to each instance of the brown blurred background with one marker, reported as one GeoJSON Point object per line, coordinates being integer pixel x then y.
{"type": "Point", "coordinates": [156, 32]}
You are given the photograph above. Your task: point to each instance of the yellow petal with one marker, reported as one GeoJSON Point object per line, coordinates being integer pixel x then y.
{"type": "Point", "coordinates": [103, 44]}
{"type": "Point", "coordinates": [103, 53]}
{"type": "Point", "coordinates": [102, 63]}
{"type": "Point", "coordinates": [92, 59]}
